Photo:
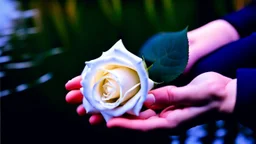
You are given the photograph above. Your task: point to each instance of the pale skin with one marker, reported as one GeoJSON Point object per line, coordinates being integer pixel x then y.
{"type": "Point", "coordinates": [207, 93]}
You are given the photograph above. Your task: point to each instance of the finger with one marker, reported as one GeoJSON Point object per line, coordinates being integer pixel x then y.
{"type": "Point", "coordinates": [143, 115]}
{"type": "Point", "coordinates": [96, 119]}
{"type": "Point", "coordinates": [180, 116]}
{"type": "Point", "coordinates": [170, 95]}
{"type": "Point", "coordinates": [146, 114]}
{"type": "Point", "coordinates": [81, 110]}
{"type": "Point", "coordinates": [74, 83]}
{"type": "Point", "coordinates": [74, 97]}
{"type": "Point", "coordinates": [158, 98]}
{"type": "Point", "coordinates": [138, 124]}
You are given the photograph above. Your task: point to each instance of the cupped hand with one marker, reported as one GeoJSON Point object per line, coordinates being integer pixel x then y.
{"type": "Point", "coordinates": [75, 97]}
{"type": "Point", "coordinates": [209, 93]}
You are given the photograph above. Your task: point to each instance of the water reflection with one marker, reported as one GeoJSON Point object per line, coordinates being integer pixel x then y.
{"type": "Point", "coordinates": [196, 134]}
{"type": "Point", "coordinates": [12, 25]}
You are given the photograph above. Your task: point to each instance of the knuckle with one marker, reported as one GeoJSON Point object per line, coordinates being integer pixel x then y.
{"type": "Point", "coordinates": [217, 90]}
{"type": "Point", "coordinates": [170, 94]}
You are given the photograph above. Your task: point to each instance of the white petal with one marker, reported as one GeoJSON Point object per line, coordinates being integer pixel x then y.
{"type": "Point", "coordinates": [129, 105]}
{"type": "Point", "coordinates": [114, 88]}
{"type": "Point", "coordinates": [114, 52]}
{"type": "Point", "coordinates": [131, 92]}
{"type": "Point", "coordinates": [137, 101]}
{"type": "Point", "coordinates": [136, 109]}
{"type": "Point", "coordinates": [85, 70]}
{"type": "Point", "coordinates": [119, 48]}
{"type": "Point", "coordinates": [128, 78]}
{"type": "Point", "coordinates": [86, 81]}
{"type": "Point", "coordinates": [106, 116]}
{"type": "Point", "coordinates": [89, 108]}
{"type": "Point", "coordinates": [118, 45]}
{"type": "Point", "coordinates": [144, 83]}
{"type": "Point", "coordinates": [118, 55]}
{"type": "Point", "coordinates": [97, 95]}
{"type": "Point", "coordinates": [150, 84]}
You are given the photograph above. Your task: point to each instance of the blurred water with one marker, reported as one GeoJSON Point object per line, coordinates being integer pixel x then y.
{"type": "Point", "coordinates": [197, 133]}
{"type": "Point", "coordinates": [12, 25]}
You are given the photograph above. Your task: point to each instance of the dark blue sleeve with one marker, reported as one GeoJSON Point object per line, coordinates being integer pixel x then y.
{"type": "Point", "coordinates": [235, 60]}
{"type": "Point", "coordinates": [244, 20]}
{"type": "Point", "coordinates": [245, 108]}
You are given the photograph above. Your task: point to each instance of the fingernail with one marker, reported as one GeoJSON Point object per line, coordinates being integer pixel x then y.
{"type": "Point", "coordinates": [150, 100]}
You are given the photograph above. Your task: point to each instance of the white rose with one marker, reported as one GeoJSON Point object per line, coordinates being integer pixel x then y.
{"type": "Point", "coordinates": [115, 83]}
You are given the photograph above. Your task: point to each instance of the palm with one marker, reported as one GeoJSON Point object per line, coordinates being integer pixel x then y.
{"type": "Point", "coordinates": [179, 104]}
{"type": "Point", "coordinates": [187, 105]}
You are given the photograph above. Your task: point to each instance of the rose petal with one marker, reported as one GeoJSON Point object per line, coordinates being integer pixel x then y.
{"type": "Point", "coordinates": [137, 107]}
{"type": "Point", "coordinates": [135, 110]}
{"type": "Point", "coordinates": [139, 66]}
{"type": "Point", "coordinates": [150, 84]}
{"type": "Point", "coordinates": [106, 116]}
{"type": "Point", "coordinates": [87, 80]}
{"type": "Point", "coordinates": [121, 56]}
{"type": "Point", "coordinates": [128, 78]}
{"type": "Point", "coordinates": [99, 74]}
{"type": "Point", "coordinates": [129, 105]}
{"type": "Point", "coordinates": [104, 72]}
{"type": "Point", "coordinates": [89, 108]}
{"type": "Point", "coordinates": [84, 71]}
{"type": "Point", "coordinates": [131, 92]}
{"type": "Point", "coordinates": [115, 94]}
{"type": "Point", "coordinates": [118, 45]}
{"type": "Point", "coordinates": [137, 101]}
{"type": "Point", "coordinates": [97, 94]}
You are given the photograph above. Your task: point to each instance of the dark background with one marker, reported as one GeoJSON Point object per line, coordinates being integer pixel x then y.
{"type": "Point", "coordinates": [50, 46]}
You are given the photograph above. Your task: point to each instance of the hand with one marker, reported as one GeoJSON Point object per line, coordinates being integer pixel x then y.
{"type": "Point", "coordinates": [209, 93]}
{"type": "Point", "coordinates": [208, 38]}
{"type": "Point", "coordinates": [75, 97]}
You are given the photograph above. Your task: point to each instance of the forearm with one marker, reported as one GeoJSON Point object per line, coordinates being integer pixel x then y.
{"type": "Point", "coordinates": [212, 36]}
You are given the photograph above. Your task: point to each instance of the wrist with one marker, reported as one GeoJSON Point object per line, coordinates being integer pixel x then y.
{"type": "Point", "coordinates": [228, 104]}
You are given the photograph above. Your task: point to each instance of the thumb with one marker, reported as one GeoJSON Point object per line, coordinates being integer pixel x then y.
{"type": "Point", "coordinates": [170, 95]}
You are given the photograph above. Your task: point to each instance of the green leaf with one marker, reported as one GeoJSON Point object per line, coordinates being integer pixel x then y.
{"type": "Point", "coordinates": [169, 53]}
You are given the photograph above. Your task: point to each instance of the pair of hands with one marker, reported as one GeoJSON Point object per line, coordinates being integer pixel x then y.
{"type": "Point", "coordinates": [209, 93]}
